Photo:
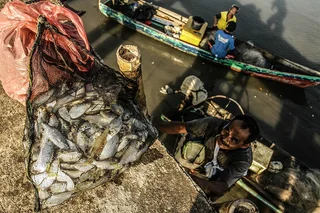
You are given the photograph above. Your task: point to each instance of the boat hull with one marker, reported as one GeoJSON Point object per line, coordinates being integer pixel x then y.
{"type": "Point", "coordinates": [299, 80]}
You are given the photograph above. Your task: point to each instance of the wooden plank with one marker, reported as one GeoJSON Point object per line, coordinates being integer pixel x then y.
{"type": "Point", "coordinates": [170, 18]}
{"type": "Point", "coordinates": [161, 20]}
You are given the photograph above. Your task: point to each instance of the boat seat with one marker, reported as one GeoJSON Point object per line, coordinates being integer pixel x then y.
{"type": "Point", "coordinates": [192, 36]}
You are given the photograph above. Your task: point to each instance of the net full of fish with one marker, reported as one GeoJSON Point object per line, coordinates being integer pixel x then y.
{"type": "Point", "coordinates": [82, 129]}
{"type": "Point", "coordinates": [83, 137]}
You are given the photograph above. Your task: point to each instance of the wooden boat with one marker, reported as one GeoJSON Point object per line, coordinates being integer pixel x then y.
{"type": "Point", "coordinates": [276, 181]}
{"type": "Point", "coordinates": [277, 68]}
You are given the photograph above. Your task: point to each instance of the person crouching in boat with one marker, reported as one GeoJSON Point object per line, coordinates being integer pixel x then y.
{"type": "Point", "coordinates": [223, 42]}
{"type": "Point", "coordinates": [216, 152]}
{"type": "Point", "coordinates": [222, 19]}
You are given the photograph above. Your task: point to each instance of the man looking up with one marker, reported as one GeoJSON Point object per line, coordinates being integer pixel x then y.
{"type": "Point", "coordinates": [228, 153]}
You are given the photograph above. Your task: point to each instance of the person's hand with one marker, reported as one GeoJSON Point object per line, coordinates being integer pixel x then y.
{"type": "Point", "coordinates": [215, 26]}
{"type": "Point", "coordinates": [166, 90]}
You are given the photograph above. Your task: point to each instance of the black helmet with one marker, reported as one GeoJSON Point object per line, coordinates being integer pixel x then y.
{"type": "Point", "coordinates": [231, 26]}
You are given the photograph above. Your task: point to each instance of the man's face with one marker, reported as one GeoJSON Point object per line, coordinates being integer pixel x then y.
{"type": "Point", "coordinates": [233, 137]}
{"type": "Point", "coordinates": [233, 11]}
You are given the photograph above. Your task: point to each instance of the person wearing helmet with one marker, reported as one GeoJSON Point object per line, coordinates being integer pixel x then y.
{"type": "Point", "coordinates": [222, 19]}
{"type": "Point", "coordinates": [223, 41]}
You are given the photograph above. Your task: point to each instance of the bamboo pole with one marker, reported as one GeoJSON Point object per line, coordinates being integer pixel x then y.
{"type": "Point", "coordinates": [256, 195]}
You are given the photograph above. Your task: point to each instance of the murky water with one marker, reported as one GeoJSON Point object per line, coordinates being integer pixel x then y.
{"type": "Point", "coordinates": [288, 116]}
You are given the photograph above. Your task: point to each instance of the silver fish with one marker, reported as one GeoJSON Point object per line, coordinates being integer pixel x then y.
{"type": "Point", "coordinates": [43, 97]}
{"type": "Point", "coordinates": [125, 140]}
{"type": "Point", "coordinates": [62, 177]}
{"type": "Point", "coordinates": [45, 179]}
{"type": "Point", "coordinates": [99, 120]}
{"type": "Point", "coordinates": [117, 108]}
{"type": "Point", "coordinates": [47, 182]}
{"type": "Point", "coordinates": [115, 126]}
{"type": "Point", "coordinates": [133, 153]}
{"type": "Point", "coordinates": [55, 136]}
{"type": "Point", "coordinates": [42, 117]}
{"type": "Point", "coordinates": [63, 89]}
{"type": "Point", "coordinates": [43, 194]}
{"type": "Point", "coordinates": [57, 199]}
{"type": "Point", "coordinates": [73, 173]}
{"type": "Point", "coordinates": [73, 147]}
{"type": "Point", "coordinates": [68, 98]}
{"type": "Point", "coordinates": [139, 124]}
{"type": "Point", "coordinates": [110, 149]}
{"type": "Point", "coordinates": [83, 186]}
{"type": "Point", "coordinates": [64, 126]}
{"type": "Point", "coordinates": [50, 105]}
{"type": "Point", "coordinates": [82, 166]}
{"type": "Point", "coordinates": [88, 128]}
{"type": "Point", "coordinates": [106, 164]}
{"type": "Point", "coordinates": [45, 155]}
{"type": "Point", "coordinates": [52, 174]}
{"type": "Point", "coordinates": [94, 109]}
{"type": "Point", "coordinates": [143, 135]}
{"type": "Point", "coordinates": [53, 121]}
{"type": "Point", "coordinates": [58, 188]}
{"type": "Point", "coordinates": [82, 141]}
{"type": "Point", "coordinates": [38, 178]}
{"type": "Point", "coordinates": [126, 115]}
{"type": "Point", "coordinates": [64, 113]}
{"type": "Point", "coordinates": [78, 110]}
{"type": "Point", "coordinates": [93, 174]}
{"type": "Point", "coordinates": [69, 157]}
{"type": "Point", "coordinates": [136, 124]}
{"type": "Point", "coordinates": [92, 94]}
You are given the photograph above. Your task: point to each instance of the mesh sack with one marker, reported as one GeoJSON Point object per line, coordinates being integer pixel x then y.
{"type": "Point", "coordinates": [18, 29]}
{"type": "Point", "coordinates": [85, 128]}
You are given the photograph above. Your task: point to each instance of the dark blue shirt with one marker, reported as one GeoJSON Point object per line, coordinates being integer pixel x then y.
{"type": "Point", "coordinates": [223, 42]}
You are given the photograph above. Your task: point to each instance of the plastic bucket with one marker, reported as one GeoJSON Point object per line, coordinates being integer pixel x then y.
{"type": "Point", "coordinates": [197, 22]}
{"type": "Point", "coordinates": [241, 205]}
{"type": "Point", "coordinates": [128, 59]}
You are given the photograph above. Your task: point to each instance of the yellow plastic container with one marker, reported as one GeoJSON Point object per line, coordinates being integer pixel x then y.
{"type": "Point", "coordinates": [190, 35]}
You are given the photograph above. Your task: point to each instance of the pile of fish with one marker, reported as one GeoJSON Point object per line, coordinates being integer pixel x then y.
{"type": "Point", "coordinates": [84, 136]}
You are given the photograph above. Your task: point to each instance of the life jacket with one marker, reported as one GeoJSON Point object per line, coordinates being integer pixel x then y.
{"type": "Point", "coordinates": [222, 23]}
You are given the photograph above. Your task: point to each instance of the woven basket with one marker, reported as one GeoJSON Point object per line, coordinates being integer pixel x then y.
{"type": "Point", "coordinates": [128, 58]}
